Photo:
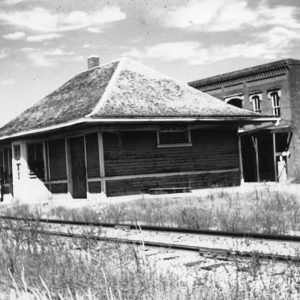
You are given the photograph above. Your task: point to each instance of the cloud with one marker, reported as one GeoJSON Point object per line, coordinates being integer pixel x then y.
{"type": "Point", "coordinates": [42, 20]}
{"type": "Point", "coordinates": [7, 81]}
{"type": "Point", "coordinates": [224, 15]}
{"type": "Point", "coordinates": [274, 43]}
{"type": "Point", "coordinates": [46, 58]}
{"type": "Point", "coordinates": [43, 37]}
{"type": "Point", "coordinates": [4, 53]}
{"type": "Point", "coordinates": [13, 2]}
{"type": "Point", "coordinates": [94, 30]}
{"type": "Point", "coordinates": [14, 36]}
{"type": "Point", "coordinates": [167, 51]}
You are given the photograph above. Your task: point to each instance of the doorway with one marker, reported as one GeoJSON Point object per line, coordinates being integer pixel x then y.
{"type": "Point", "coordinates": [78, 167]}
{"type": "Point", "coordinates": [258, 157]}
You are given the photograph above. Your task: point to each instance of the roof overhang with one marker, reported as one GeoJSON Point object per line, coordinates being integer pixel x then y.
{"type": "Point", "coordinates": [239, 120]}
{"type": "Point", "coordinates": [270, 127]}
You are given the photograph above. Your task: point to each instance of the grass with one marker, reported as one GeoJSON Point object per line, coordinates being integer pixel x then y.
{"type": "Point", "coordinates": [263, 211]}
{"type": "Point", "coordinates": [35, 266]}
{"type": "Point", "coordinates": [63, 267]}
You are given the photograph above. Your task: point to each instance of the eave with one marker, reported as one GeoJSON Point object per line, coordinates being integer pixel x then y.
{"type": "Point", "coordinates": [241, 120]}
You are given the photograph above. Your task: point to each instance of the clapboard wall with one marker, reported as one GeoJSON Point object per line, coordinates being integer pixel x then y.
{"type": "Point", "coordinates": [136, 153]}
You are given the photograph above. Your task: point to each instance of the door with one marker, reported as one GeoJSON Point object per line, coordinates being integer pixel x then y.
{"type": "Point", "coordinates": [35, 160]}
{"type": "Point", "coordinates": [78, 167]}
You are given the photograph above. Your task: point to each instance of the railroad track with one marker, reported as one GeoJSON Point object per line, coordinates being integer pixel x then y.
{"type": "Point", "coordinates": [133, 240]}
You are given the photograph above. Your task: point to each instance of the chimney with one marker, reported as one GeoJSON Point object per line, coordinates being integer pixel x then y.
{"type": "Point", "coordinates": [93, 61]}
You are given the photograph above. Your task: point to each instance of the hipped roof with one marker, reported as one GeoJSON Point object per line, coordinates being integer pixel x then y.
{"type": "Point", "coordinates": [121, 91]}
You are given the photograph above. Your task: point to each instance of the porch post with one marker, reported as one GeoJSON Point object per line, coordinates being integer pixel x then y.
{"type": "Point", "coordinates": [45, 161]}
{"type": "Point", "coordinates": [101, 161]}
{"type": "Point", "coordinates": [86, 167]}
{"type": "Point", "coordinates": [20, 171]}
{"type": "Point", "coordinates": [274, 156]}
{"type": "Point", "coordinates": [241, 160]}
{"type": "Point", "coordinates": [255, 144]}
{"type": "Point", "coordinates": [68, 167]}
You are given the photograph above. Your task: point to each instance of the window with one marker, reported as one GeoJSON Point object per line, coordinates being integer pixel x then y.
{"type": "Point", "coordinates": [256, 102]}
{"type": "Point", "coordinates": [274, 96]}
{"type": "Point", "coordinates": [173, 136]}
{"type": "Point", "coordinates": [17, 152]}
{"type": "Point", "coordinates": [235, 100]}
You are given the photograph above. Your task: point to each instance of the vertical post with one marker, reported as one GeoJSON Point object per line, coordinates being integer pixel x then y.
{"type": "Point", "coordinates": [68, 167]}
{"type": "Point", "coordinates": [85, 163]}
{"type": "Point", "coordinates": [10, 167]}
{"type": "Point", "coordinates": [45, 161]}
{"type": "Point", "coordinates": [255, 144]}
{"type": "Point", "coordinates": [101, 161]}
{"type": "Point", "coordinates": [241, 160]}
{"type": "Point", "coordinates": [48, 166]}
{"type": "Point", "coordinates": [274, 157]}
{"type": "Point", "coordinates": [20, 171]}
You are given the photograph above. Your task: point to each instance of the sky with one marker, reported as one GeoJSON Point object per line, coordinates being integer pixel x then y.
{"type": "Point", "coordinates": [44, 43]}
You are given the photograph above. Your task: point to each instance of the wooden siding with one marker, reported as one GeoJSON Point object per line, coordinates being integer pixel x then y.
{"type": "Point", "coordinates": [57, 188]}
{"type": "Point", "coordinates": [136, 186]}
{"type": "Point", "coordinates": [94, 187]}
{"type": "Point", "coordinates": [92, 155]}
{"type": "Point", "coordinates": [131, 153]}
{"type": "Point", "coordinates": [57, 159]}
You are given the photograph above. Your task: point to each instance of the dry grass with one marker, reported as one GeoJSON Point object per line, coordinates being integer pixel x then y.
{"type": "Point", "coordinates": [40, 267]}
{"type": "Point", "coordinates": [35, 266]}
{"type": "Point", "coordinates": [61, 268]}
{"type": "Point", "coordinates": [264, 211]}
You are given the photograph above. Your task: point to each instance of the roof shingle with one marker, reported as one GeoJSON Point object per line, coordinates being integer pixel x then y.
{"type": "Point", "coordinates": [122, 89]}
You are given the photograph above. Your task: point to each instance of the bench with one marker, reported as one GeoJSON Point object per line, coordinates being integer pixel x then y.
{"type": "Point", "coordinates": [170, 190]}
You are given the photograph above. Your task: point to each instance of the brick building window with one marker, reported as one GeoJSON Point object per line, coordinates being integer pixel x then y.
{"type": "Point", "coordinates": [274, 96]}
{"type": "Point", "coordinates": [236, 100]}
{"type": "Point", "coordinates": [173, 136]}
{"type": "Point", "coordinates": [256, 102]}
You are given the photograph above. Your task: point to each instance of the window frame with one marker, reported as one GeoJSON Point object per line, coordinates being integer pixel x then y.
{"type": "Point", "coordinates": [275, 108]}
{"type": "Point", "coordinates": [256, 100]}
{"type": "Point", "coordinates": [239, 97]}
{"type": "Point", "coordinates": [178, 128]}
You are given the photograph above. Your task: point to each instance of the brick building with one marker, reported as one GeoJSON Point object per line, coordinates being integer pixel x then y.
{"type": "Point", "coordinates": [269, 152]}
{"type": "Point", "coordinates": [121, 128]}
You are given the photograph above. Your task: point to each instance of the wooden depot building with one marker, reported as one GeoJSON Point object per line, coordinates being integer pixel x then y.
{"type": "Point", "coordinates": [121, 128]}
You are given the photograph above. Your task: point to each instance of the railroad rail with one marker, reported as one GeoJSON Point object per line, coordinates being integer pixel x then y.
{"type": "Point", "coordinates": [273, 237]}
{"type": "Point", "coordinates": [219, 253]}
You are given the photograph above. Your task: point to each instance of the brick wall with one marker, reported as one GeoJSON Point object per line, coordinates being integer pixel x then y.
{"type": "Point", "coordinates": [250, 86]}
{"type": "Point", "coordinates": [294, 88]}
